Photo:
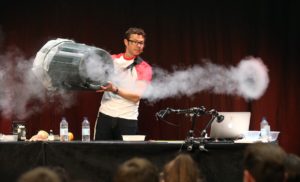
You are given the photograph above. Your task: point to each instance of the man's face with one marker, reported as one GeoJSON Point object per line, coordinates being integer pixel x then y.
{"type": "Point", "coordinates": [135, 44]}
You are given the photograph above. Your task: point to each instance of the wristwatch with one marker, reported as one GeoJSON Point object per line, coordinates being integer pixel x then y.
{"type": "Point", "coordinates": [116, 91]}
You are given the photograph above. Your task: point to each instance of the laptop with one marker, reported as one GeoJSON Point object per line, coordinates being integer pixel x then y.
{"type": "Point", "coordinates": [234, 125]}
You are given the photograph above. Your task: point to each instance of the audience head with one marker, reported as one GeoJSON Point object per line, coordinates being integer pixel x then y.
{"type": "Point", "coordinates": [181, 169]}
{"type": "Point", "coordinates": [61, 172]}
{"type": "Point", "coordinates": [40, 174]}
{"type": "Point", "coordinates": [264, 162]}
{"type": "Point", "coordinates": [137, 170]}
{"type": "Point", "coordinates": [292, 168]}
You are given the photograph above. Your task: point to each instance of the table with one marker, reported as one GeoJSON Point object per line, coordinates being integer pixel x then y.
{"type": "Point", "coordinates": [98, 160]}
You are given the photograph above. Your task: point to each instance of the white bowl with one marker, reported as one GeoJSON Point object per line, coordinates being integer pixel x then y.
{"type": "Point", "coordinates": [274, 135]}
{"type": "Point", "coordinates": [255, 135]}
{"type": "Point", "coordinates": [133, 137]}
{"type": "Point", "coordinates": [252, 135]}
{"type": "Point", "coordinates": [9, 138]}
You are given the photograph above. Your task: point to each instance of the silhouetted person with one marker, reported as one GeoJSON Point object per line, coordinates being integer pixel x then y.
{"type": "Point", "coordinates": [40, 174]}
{"type": "Point", "coordinates": [137, 170]}
{"type": "Point", "coordinates": [61, 172]}
{"type": "Point", "coordinates": [264, 162]}
{"type": "Point", "coordinates": [181, 169]}
{"type": "Point", "coordinates": [292, 168]}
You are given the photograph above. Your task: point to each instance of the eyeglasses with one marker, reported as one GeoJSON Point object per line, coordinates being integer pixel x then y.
{"type": "Point", "coordinates": [137, 43]}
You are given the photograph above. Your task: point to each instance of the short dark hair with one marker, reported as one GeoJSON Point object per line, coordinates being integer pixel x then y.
{"type": "Point", "coordinates": [39, 174]}
{"type": "Point", "coordinates": [265, 162]}
{"type": "Point", "coordinates": [137, 170]}
{"type": "Point", "coordinates": [182, 168]}
{"type": "Point", "coordinates": [61, 172]}
{"type": "Point", "coordinates": [134, 30]}
{"type": "Point", "coordinates": [292, 168]}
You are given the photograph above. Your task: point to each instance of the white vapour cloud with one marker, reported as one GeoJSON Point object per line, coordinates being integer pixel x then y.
{"type": "Point", "coordinates": [21, 94]}
{"type": "Point", "coordinates": [21, 89]}
{"type": "Point", "coordinates": [248, 80]}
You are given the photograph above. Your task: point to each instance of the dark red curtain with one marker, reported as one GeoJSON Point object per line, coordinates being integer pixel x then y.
{"type": "Point", "coordinates": [179, 33]}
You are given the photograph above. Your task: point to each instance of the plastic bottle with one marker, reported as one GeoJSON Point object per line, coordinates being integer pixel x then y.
{"type": "Point", "coordinates": [64, 132]}
{"type": "Point", "coordinates": [85, 130]}
{"type": "Point", "coordinates": [51, 136]}
{"type": "Point", "coordinates": [264, 130]}
{"type": "Point", "coordinates": [21, 133]}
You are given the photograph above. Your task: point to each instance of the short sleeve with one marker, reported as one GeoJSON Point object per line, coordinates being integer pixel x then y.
{"type": "Point", "coordinates": [144, 71]}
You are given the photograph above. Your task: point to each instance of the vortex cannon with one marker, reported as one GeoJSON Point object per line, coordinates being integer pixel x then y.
{"type": "Point", "coordinates": [65, 64]}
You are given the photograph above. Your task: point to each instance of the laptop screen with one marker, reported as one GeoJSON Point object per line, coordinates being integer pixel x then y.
{"type": "Point", "coordinates": [234, 125]}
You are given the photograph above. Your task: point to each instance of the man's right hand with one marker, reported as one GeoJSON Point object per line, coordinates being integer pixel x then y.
{"type": "Point", "coordinates": [109, 87]}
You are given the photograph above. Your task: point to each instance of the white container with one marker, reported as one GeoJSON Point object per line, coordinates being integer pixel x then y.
{"type": "Point", "coordinates": [274, 135]}
{"type": "Point", "coordinates": [133, 137]}
{"type": "Point", "coordinates": [9, 138]}
{"type": "Point", "coordinates": [252, 135]}
{"type": "Point", "coordinates": [255, 136]}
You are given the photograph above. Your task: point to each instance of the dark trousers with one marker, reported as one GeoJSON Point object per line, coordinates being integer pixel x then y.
{"type": "Point", "coordinates": [111, 128]}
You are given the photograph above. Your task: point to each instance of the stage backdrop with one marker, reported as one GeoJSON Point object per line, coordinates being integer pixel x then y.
{"type": "Point", "coordinates": [180, 34]}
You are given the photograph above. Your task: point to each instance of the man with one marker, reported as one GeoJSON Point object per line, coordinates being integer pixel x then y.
{"type": "Point", "coordinates": [118, 112]}
{"type": "Point", "coordinates": [264, 162]}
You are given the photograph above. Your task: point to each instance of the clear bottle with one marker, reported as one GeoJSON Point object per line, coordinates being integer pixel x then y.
{"type": "Point", "coordinates": [21, 133]}
{"type": "Point", "coordinates": [64, 132]}
{"type": "Point", "coordinates": [85, 130]}
{"type": "Point", "coordinates": [51, 136]}
{"type": "Point", "coordinates": [264, 130]}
